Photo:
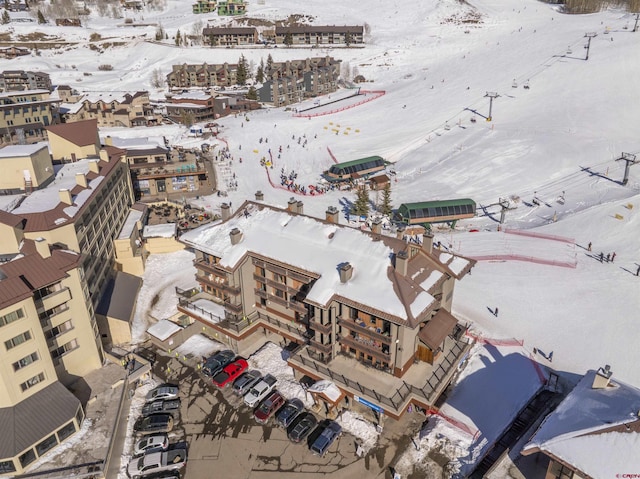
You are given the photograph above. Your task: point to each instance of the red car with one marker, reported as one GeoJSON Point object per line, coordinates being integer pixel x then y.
{"type": "Point", "coordinates": [230, 372]}
{"type": "Point", "coordinates": [268, 407]}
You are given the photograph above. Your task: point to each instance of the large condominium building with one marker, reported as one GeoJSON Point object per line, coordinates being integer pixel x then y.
{"type": "Point", "coordinates": [48, 338]}
{"type": "Point", "coordinates": [320, 34]}
{"type": "Point", "coordinates": [25, 114]}
{"type": "Point", "coordinates": [368, 311]}
{"type": "Point", "coordinates": [19, 80]}
{"type": "Point", "coordinates": [202, 75]}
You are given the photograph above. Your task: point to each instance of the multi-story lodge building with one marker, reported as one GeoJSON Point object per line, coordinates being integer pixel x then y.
{"type": "Point", "coordinates": [368, 311]}
{"type": "Point", "coordinates": [292, 81]}
{"type": "Point", "coordinates": [190, 107]}
{"type": "Point", "coordinates": [109, 109]}
{"type": "Point", "coordinates": [202, 76]}
{"type": "Point", "coordinates": [25, 114]}
{"type": "Point", "coordinates": [320, 34]}
{"type": "Point", "coordinates": [204, 6]}
{"type": "Point", "coordinates": [48, 338]}
{"type": "Point", "coordinates": [232, 7]}
{"type": "Point", "coordinates": [20, 80]}
{"type": "Point", "coordinates": [230, 36]}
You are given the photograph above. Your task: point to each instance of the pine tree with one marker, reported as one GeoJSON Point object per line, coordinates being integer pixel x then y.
{"type": "Point", "coordinates": [269, 65]}
{"type": "Point", "coordinates": [288, 39]}
{"type": "Point", "coordinates": [252, 94]}
{"type": "Point", "coordinates": [361, 206]}
{"type": "Point", "coordinates": [385, 207]}
{"type": "Point", "coordinates": [348, 39]}
{"type": "Point", "coordinates": [241, 73]}
{"type": "Point", "coordinates": [178, 39]}
{"type": "Point", "coordinates": [41, 18]}
{"type": "Point", "coordinates": [5, 17]}
{"type": "Point", "coordinates": [260, 72]}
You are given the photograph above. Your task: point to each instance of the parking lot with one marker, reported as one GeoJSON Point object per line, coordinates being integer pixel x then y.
{"type": "Point", "coordinates": [225, 440]}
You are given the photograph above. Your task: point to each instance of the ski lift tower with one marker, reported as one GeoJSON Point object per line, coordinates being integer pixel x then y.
{"type": "Point", "coordinates": [630, 159]}
{"type": "Point", "coordinates": [635, 27]}
{"type": "Point", "coordinates": [589, 36]}
{"type": "Point", "coordinates": [491, 95]}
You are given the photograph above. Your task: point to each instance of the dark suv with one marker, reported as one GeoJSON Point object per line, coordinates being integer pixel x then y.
{"type": "Point", "coordinates": [215, 363]}
{"type": "Point", "coordinates": [289, 412]}
{"type": "Point", "coordinates": [329, 434]}
{"type": "Point", "coordinates": [301, 427]}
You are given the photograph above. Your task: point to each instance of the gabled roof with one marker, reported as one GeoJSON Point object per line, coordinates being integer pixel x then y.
{"type": "Point", "coordinates": [80, 133]}
{"type": "Point", "coordinates": [12, 220]}
{"type": "Point", "coordinates": [35, 418]}
{"type": "Point", "coordinates": [593, 430]}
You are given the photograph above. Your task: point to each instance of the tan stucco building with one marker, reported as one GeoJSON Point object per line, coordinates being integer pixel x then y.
{"type": "Point", "coordinates": [25, 168]}
{"type": "Point", "coordinates": [25, 114]}
{"type": "Point", "coordinates": [70, 142]}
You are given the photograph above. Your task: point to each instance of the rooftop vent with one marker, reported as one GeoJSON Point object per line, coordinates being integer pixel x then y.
{"type": "Point", "coordinates": [65, 196]}
{"type": "Point", "coordinates": [300, 207]}
{"type": "Point", "coordinates": [427, 242]}
{"type": "Point", "coordinates": [346, 272]}
{"type": "Point", "coordinates": [259, 196]}
{"type": "Point", "coordinates": [94, 166]}
{"type": "Point", "coordinates": [602, 378]}
{"type": "Point", "coordinates": [81, 180]}
{"type": "Point", "coordinates": [42, 247]}
{"type": "Point", "coordinates": [292, 205]}
{"type": "Point", "coordinates": [376, 226]}
{"type": "Point", "coordinates": [225, 211]}
{"type": "Point", "coordinates": [402, 262]}
{"type": "Point", "coordinates": [332, 215]}
{"type": "Point", "coordinates": [235, 235]}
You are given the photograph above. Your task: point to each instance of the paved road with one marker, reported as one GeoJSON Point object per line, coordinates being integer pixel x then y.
{"type": "Point", "coordinates": [225, 441]}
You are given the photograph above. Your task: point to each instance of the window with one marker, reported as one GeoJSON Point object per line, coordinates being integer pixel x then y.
{"type": "Point", "coordinates": [13, 342]}
{"type": "Point", "coordinates": [58, 330]}
{"type": "Point", "coordinates": [65, 348]}
{"type": "Point", "coordinates": [11, 317]}
{"type": "Point", "coordinates": [279, 278]}
{"type": "Point", "coordinates": [7, 466]}
{"type": "Point", "coordinates": [29, 383]}
{"type": "Point", "coordinates": [66, 431]}
{"type": "Point", "coordinates": [47, 444]}
{"type": "Point", "coordinates": [25, 361]}
{"type": "Point", "coordinates": [27, 458]}
{"type": "Point", "coordinates": [57, 310]}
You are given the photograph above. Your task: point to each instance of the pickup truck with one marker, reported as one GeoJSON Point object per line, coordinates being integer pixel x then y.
{"type": "Point", "coordinates": [258, 392]}
{"type": "Point", "coordinates": [153, 462]}
{"type": "Point", "coordinates": [161, 405]}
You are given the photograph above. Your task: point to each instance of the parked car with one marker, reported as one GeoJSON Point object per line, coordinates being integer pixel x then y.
{"type": "Point", "coordinates": [246, 380]}
{"type": "Point", "coordinates": [170, 406]}
{"type": "Point", "coordinates": [268, 407]}
{"type": "Point", "coordinates": [153, 424]}
{"type": "Point", "coordinates": [289, 412]}
{"type": "Point", "coordinates": [155, 462]}
{"type": "Point", "coordinates": [260, 390]}
{"type": "Point", "coordinates": [157, 442]}
{"type": "Point", "coordinates": [164, 391]}
{"type": "Point", "coordinates": [215, 363]}
{"type": "Point", "coordinates": [230, 372]}
{"type": "Point", "coordinates": [301, 426]}
{"type": "Point", "coordinates": [331, 430]}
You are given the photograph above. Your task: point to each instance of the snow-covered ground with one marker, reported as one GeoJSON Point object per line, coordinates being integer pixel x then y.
{"type": "Point", "coordinates": [556, 141]}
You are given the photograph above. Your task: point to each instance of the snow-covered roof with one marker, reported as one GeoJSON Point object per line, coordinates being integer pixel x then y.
{"type": "Point", "coordinates": [317, 247]}
{"type": "Point", "coordinates": [163, 329]}
{"type": "Point", "coordinates": [137, 143]}
{"type": "Point", "coordinates": [167, 230]}
{"type": "Point", "coordinates": [326, 387]}
{"type": "Point", "coordinates": [130, 222]}
{"type": "Point", "coordinates": [582, 429]}
{"type": "Point", "coordinates": [192, 95]}
{"type": "Point", "coordinates": [11, 151]}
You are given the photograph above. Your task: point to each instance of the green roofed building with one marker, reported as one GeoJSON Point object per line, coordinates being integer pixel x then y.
{"type": "Point", "coordinates": [427, 212]}
{"type": "Point", "coordinates": [351, 170]}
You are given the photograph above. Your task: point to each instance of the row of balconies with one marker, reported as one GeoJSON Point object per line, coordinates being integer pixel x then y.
{"type": "Point", "coordinates": [220, 285]}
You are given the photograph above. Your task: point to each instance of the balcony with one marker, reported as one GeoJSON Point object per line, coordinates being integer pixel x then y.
{"type": "Point", "coordinates": [298, 277]}
{"type": "Point", "coordinates": [316, 325]}
{"type": "Point", "coordinates": [324, 348]}
{"type": "Point", "coordinates": [278, 300]}
{"type": "Point", "coordinates": [220, 285]}
{"type": "Point", "coordinates": [167, 170]}
{"type": "Point", "coordinates": [210, 267]}
{"type": "Point", "coordinates": [261, 293]}
{"type": "Point", "coordinates": [52, 300]}
{"type": "Point", "coordinates": [236, 308]}
{"type": "Point", "coordinates": [297, 306]}
{"type": "Point", "coordinates": [365, 348]}
{"type": "Point", "coordinates": [358, 328]}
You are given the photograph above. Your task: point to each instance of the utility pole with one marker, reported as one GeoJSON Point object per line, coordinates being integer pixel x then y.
{"type": "Point", "coordinates": [630, 159]}
{"type": "Point", "coordinates": [491, 95]}
{"type": "Point", "coordinates": [635, 27]}
{"type": "Point", "coordinates": [589, 36]}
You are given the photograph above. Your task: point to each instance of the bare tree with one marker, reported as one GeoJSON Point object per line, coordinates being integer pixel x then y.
{"type": "Point", "coordinates": [345, 71]}
{"type": "Point", "coordinates": [157, 78]}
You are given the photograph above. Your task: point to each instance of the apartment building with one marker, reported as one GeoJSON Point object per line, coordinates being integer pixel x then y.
{"type": "Point", "coordinates": [320, 34]}
{"type": "Point", "coordinates": [190, 107]}
{"type": "Point", "coordinates": [204, 6]}
{"type": "Point", "coordinates": [293, 81]}
{"type": "Point", "coordinates": [13, 52]}
{"type": "Point", "coordinates": [365, 309]}
{"type": "Point", "coordinates": [228, 36]}
{"type": "Point", "coordinates": [232, 7]}
{"type": "Point", "coordinates": [20, 80]}
{"type": "Point", "coordinates": [25, 168]}
{"type": "Point", "coordinates": [202, 76]}
{"type": "Point", "coordinates": [70, 142]}
{"type": "Point", "coordinates": [24, 115]}
{"type": "Point", "coordinates": [109, 109]}
{"type": "Point", "coordinates": [48, 337]}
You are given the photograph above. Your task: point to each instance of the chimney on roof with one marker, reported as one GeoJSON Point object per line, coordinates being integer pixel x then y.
{"type": "Point", "coordinates": [65, 196]}
{"type": "Point", "coordinates": [402, 262]}
{"type": "Point", "coordinates": [376, 226]}
{"type": "Point", "coordinates": [94, 166]}
{"type": "Point", "coordinates": [332, 215]}
{"type": "Point", "coordinates": [42, 247]}
{"type": "Point", "coordinates": [300, 207]}
{"type": "Point", "coordinates": [108, 141]}
{"type": "Point", "coordinates": [346, 272]}
{"type": "Point", "coordinates": [235, 235]}
{"type": "Point", "coordinates": [602, 378]}
{"type": "Point", "coordinates": [259, 196]}
{"type": "Point", "coordinates": [225, 211]}
{"type": "Point", "coordinates": [81, 180]}
{"type": "Point", "coordinates": [292, 205]}
{"type": "Point", "coordinates": [427, 242]}
{"type": "Point", "coordinates": [400, 232]}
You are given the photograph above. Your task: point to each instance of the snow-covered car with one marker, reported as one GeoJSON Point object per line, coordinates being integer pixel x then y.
{"type": "Point", "coordinates": [164, 391]}
{"type": "Point", "coordinates": [153, 424]}
{"type": "Point", "coordinates": [289, 412]}
{"type": "Point", "coordinates": [331, 430]}
{"type": "Point", "coordinates": [157, 462]}
{"type": "Point", "coordinates": [215, 363]}
{"type": "Point", "coordinates": [260, 390]}
{"type": "Point", "coordinates": [170, 406]}
{"type": "Point", "coordinates": [268, 407]}
{"type": "Point", "coordinates": [156, 442]}
{"type": "Point", "coordinates": [230, 372]}
{"type": "Point", "coordinates": [246, 380]}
